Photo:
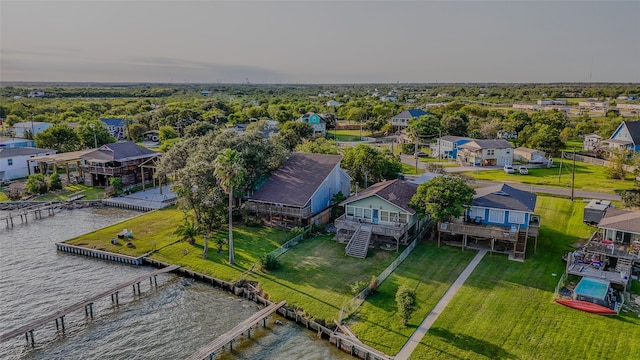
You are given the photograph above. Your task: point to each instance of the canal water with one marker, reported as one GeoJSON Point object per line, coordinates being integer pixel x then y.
{"type": "Point", "coordinates": [170, 322]}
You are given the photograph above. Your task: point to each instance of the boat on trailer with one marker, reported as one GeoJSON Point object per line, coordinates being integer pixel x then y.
{"type": "Point", "coordinates": [587, 306]}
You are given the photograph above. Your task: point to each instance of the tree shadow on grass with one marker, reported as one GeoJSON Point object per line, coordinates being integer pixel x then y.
{"type": "Point", "coordinates": [469, 343]}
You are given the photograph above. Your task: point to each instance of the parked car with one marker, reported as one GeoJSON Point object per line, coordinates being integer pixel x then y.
{"type": "Point", "coordinates": [420, 154]}
{"type": "Point", "coordinates": [508, 169]}
{"type": "Point", "coordinates": [523, 170]}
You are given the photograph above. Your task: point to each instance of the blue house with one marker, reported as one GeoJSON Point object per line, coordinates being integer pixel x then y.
{"type": "Point", "coordinates": [446, 147]}
{"type": "Point", "coordinates": [402, 120]}
{"type": "Point", "coordinates": [626, 137]}
{"type": "Point", "coordinates": [317, 123]}
{"type": "Point", "coordinates": [116, 127]}
{"type": "Point", "coordinates": [500, 218]}
{"type": "Point", "coordinates": [300, 192]}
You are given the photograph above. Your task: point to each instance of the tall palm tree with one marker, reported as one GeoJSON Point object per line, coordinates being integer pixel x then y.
{"type": "Point", "coordinates": [230, 171]}
{"type": "Point", "coordinates": [187, 231]}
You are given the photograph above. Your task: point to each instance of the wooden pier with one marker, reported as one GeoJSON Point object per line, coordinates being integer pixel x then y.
{"type": "Point", "coordinates": [229, 337]}
{"type": "Point", "coordinates": [87, 304]}
{"type": "Point", "coordinates": [24, 213]}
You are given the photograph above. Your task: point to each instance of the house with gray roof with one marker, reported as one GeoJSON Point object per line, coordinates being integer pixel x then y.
{"type": "Point", "coordinates": [301, 190]}
{"type": "Point", "coordinates": [626, 137]}
{"type": "Point", "coordinates": [380, 215]}
{"type": "Point", "coordinates": [14, 162]}
{"type": "Point", "coordinates": [501, 217]}
{"type": "Point", "coordinates": [446, 147]}
{"type": "Point", "coordinates": [116, 160]}
{"type": "Point", "coordinates": [116, 126]}
{"type": "Point", "coordinates": [402, 120]}
{"type": "Point", "coordinates": [485, 153]}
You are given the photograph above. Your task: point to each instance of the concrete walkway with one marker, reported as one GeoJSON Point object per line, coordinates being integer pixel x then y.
{"type": "Point", "coordinates": [428, 321]}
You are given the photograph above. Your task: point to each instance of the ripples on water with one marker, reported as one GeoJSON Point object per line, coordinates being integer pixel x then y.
{"type": "Point", "coordinates": [170, 322]}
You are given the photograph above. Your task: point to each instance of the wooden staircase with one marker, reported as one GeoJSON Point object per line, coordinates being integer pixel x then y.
{"type": "Point", "coordinates": [358, 246]}
{"type": "Point", "coordinates": [520, 248]}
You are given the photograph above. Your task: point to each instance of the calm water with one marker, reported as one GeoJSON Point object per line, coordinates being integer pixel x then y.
{"type": "Point", "coordinates": [170, 322]}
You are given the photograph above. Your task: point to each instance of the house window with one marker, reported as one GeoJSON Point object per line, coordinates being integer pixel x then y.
{"type": "Point", "coordinates": [516, 217]}
{"type": "Point", "coordinates": [10, 162]}
{"type": "Point", "coordinates": [384, 216]}
{"type": "Point", "coordinates": [491, 152]}
{"type": "Point", "coordinates": [403, 218]}
{"type": "Point", "coordinates": [476, 212]}
{"type": "Point", "coordinates": [350, 211]}
{"type": "Point", "coordinates": [367, 214]}
{"type": "Point", "coordinates": [496, 216]}
{"type": "Point", "coordinates": [393, 217]}
{"type": "Point", "coordinates": [359, 212]}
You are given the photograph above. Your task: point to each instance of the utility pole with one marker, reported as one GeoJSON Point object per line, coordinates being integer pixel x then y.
{"type": "Point", "coordinates": [439, 143]}
{"type": "Point", "coordinates": [561, 161]}
{"type": "Point", "coordinates": [573, 173]}
{"type": "Point", "coordinates": [415, 153]}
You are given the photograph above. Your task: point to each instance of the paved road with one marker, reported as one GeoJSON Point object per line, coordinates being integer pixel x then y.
{"type": "Point", "coordinates": [431, 318]}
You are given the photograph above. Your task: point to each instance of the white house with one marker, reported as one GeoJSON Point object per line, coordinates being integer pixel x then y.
{"type": "Point", "coordinates": [528, 155]}
{"type": "Point", "coordinates": [13, 161]}
{"type": "Point", "coordinates": [626, 137]}
{"type": "Point", "coordinates": [116, 127]}
{"type": "Point", "coordinates": [593, 106]}
{"type": "Point", "coordinates": [591, 142]}
{"type": "Point", "coordinates": [485, 153]}
{"type": "Point", "coordinates": [35, 127]}
{"type": "Point", "coordinates": [333, 103]}
{"type": "Point", "coordinates": [552, 102]}
{"type": "Point", "coordinates": [446, 147]}
{"type": "Point", "coordinates": [402, 120]}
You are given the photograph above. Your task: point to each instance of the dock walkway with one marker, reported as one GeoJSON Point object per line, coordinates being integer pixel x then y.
{"type": "Point", "coordinates": [28, 328]}
{"type": "Point", "coordinates": [227, 338]}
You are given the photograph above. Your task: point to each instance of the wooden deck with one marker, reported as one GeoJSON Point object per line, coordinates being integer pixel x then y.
{"type": "Point", "coordinates": [28, 328]}
{"type": "Point", "coordinates": [227, 338]}
{"type": "Point", "coordinates": [36, 210]}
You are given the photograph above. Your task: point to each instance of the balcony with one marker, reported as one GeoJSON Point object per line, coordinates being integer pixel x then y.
{"type": "Point", "coordinates": [274, 209]}
{"type": "Point", "coordinates": [102, 170]}
{"type": "Point", "coordinates": [480, 230]}
{"type": "Point", "coordinates": [598, 245]}
{"type": "Point", "coordinates": [534, 225]}
{"type": "Point", "coordinates": [350, 223]}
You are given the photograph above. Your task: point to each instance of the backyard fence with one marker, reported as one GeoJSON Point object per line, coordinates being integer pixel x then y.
{"type": "Point", "coordinates": [561, 283]}
{"type": "Point", "coordinates": [290, 243]}
{"type": "Point", "coordinates": [352, 305]}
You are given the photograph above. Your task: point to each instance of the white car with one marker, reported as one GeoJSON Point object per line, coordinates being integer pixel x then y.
{"type": "Point", "coordinates": [508, 169]}
{"type": "Point", "coordinates": [523, 170]}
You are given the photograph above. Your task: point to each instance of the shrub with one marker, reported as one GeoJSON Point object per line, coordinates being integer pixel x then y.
{"type": "Point", "coordinates": [358, 286]}
{"type": "Point", "coordinates": [37, 184]}
{"type": "Point", "coordinates": [55, 183]}
{"type": "Point", "coordinates": [373, 284]}
{"type": "Point", "coordinates": [269, 262]}
{"type": "Point", "coordinates": [630, 198]}
{"type": "Point", "coordinates": [406, 301]}
{"type": "Point", "coordinates": [296, 231]}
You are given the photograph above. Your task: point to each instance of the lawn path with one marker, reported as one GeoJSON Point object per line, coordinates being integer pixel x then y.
{"type": "Point", "coordinates": [414, 340]}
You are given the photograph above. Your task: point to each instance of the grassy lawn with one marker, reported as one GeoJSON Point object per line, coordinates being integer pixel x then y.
{"type": "Point", "coordinates": [316, 276]}
{"type": "Point", "coordinates": [576, 143]}
{"type": "Point", "coordinates": [505, 309]}
{"type": "Point", "coordinates": [3, 196]}
{"type": "Point", "coordinates": [145, 237]}
{"type": "Point", "coordinates": [430, 271]}
{"type": "Point", "coordinates": [588, 177]}
{"type": "Point", "coordinates": [410, 170]}
{"type": "Point", "coordinates": [347, 135]}
{"type": "Point", "coordinates": [91, 193]}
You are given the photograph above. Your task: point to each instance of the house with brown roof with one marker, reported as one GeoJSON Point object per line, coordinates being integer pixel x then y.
{"type": "Point", "coordinates": [116, 160]}
{"type": "Point", "coordinates": [300, 191]}
{"type": "Point", "coordinates": [614, 249]}
{"type": "Point", "coordinates": [380, 215]}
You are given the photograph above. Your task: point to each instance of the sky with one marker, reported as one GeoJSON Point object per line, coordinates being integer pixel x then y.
{"type": "Point", "coordinates": [320, 41]}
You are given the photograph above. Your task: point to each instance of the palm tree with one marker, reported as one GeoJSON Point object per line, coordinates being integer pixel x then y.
{"type": "Point", "coordinates": [230, 172]}
{"type": "Point", "coordinates": [187, 231]}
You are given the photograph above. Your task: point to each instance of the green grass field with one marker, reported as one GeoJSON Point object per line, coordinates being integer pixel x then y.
{"type": "Point", "coordinates": [505, 310]}
{"type": "Point", "coordinates": [90, 193]}
{"type": "Point", "coordinates": [430, 271]}
{"type": "Point", "coordinates": [3, 196]}
{"type": "Point", "coordinates": [587, 177]}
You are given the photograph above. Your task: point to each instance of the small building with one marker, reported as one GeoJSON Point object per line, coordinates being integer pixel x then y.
{"type": "Point", "coordinates": [116, 160]}
{"type": "Point", "coordinates": [316, 121]}
{"type": "Point", "coordinates": [501, 218]}
{"type": "Point", "coordinates": [300, 191]}
{"type": "Point", "coordinates": [552, 102]}
{"type": "Point", "coordinates": [599, 106]}
{"type": "Point", "coordinates": [446, 147]}
{"type": "Point", "coordinates": [380, 215]}
{"type": "Point", "coordinates": [116, 126]}
{"type": "Point", "coordinates": [591, 142]}
{"type": "Point", "coordinates": [528, 155]}
{"type": "Point", "coordinates": [333, 103]}
{"type": "Point", "coordinates": [16, 142]}
{"type": "Point", "coordinates": [594, 211]}
{"type": "Point", "coordinates": [35, 127]}
{"type": "Point", "coordinates": [525, 106]}
{"type": "Point", "coordinates": [485, 153]}
{"type": "Point", "coordinates": [402, 120]}
{"type": "Point", "coordinates": [630, 108]}
{"type": "Point", "coordinates": [36, 94]}
{"type": "Point", "coordinates": [626, 137]}
{"type": "Point", "coordinates": [14, 162]}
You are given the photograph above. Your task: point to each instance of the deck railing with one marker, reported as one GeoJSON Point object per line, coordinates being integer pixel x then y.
{"type": "Point", "coordinates": [597, 244]}
{"type": "Point", "coordinates": [394, 230]}
{"type": "Point", "coordinates": [278, 210]}
{"type": "Point", "coordinates": [484, 231]}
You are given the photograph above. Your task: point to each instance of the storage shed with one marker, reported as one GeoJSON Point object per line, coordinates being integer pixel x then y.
{"type": "Point", "coordinates": [594, 211]}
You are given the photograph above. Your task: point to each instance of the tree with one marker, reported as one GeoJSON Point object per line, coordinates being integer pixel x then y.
{"type": "Point", "coordinates": [367, 165]}
{"type": "Point", "coordinates": [293, 133]}
{"type": "Point", "coordinates": [167, 132]}
{"type": "Point", "coordinates": [319, 146]}
{"type": "Point", "coordinates": [455, 125]}
{"type": "Point", "coordinates": [443, 197]}
{"type": "Point", "coordinates": [542, 137]}
{"type": "Point", "coordinates": [94, 133]}
{"type": "Point", "coordinates": [406, 301]}
{"type": "Point", "coordinates": [115, 183]}
{"type": "Point", "coordinates": [55, 183]}
{"type": "Point", "coordinates": [426, 126]}
{"type": "Point", "coordinates": [187, 231]}
{"type": "Point", "coordinates": [198, 128]}
{"type": "Point", "coordinates": [60, 137]}
{"type": "Point", "coordinates": [616, 169]}
{"type": "Point", "coordinates": [136, 131]}
{"type": "Point", "coordinates": [229, 171]}
{"type": "Point", "coordinates": [36, 184]}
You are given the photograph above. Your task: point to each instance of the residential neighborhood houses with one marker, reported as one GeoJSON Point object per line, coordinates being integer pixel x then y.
{"type": "Point", "coordinates": [14, 161]}
{"type": "Point", "coordinates": [116, 127]}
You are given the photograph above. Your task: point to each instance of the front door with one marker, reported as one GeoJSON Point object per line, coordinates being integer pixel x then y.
{"type": "Point", "coordinates": [374, 218]}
